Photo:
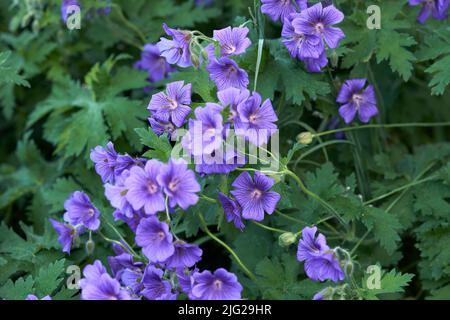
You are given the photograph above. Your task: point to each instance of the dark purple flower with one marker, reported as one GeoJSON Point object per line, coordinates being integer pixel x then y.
{"type": "Point", "coordinates": [226, 74]}
{"type": "Point", "coordinates": [160, 127]}
{"type": "Point", "coordinates": [301, 45]}
{"type": "Point", "coordinates": [124, 263]}
{"type": "Point", "coordinates": [104, 288]}
{"type": "Point", "coordinates": [155, 239]}
{"type": "Point", "coordinates": [65, 4]}
{"type": "Point", "coordinates": [116, 194]}
{"type": "Point", "coordinates": [318, 21]}
{"type": "Point", "coordinates": [132, 221]}
{"type": "Point", "coordinates": [176, 51]}
{"type": "Point", "coordinates": [33, 297]}
{"type": "Point", "coordinates": [105, 161]}
{"type": "Point", "coordinates": [254, 196]}
{"type": "Point", "coordinates": [152, 62]}
{"type": "Point", "coordinates": [320, 261]}
{"type": "Point", "coordinates": [126, 162]}
{"type": "Point", "coordinates": [220, 285]}
{"type": "Point", "coordinates": [155, 288]}
{"type": "Point", "coordinates": [143, 188]}
{"type": "Point", "coordinates": [172, 105]}
{"type": "Point", "coordinates": [186, 281]}
{"type": "Point", "coordinates": [316, 65]}
{"type": "Point", "coordinates": [179, 184]}
{"type": "Point", "coordinates": [219, 162]}
{"type": "Point", "coordinates": [185, 256]}
{"type": "Point", "coordinates": [437, 8]}
{"type": "Point", "coordinates": [257, 120]}
{"type": "Point", "coordinates": [67, 234]}
{"type": "Point", "coordinates": [232, 211]}
{"type": "Point", "coordinates": [233, 41]}
{"type": "Point", "coordinates": [81, 211]}
{"type": "Point", "coordinates": [357, 100]}
{"type": "Point", "coordinates": [318, 296]}
{"type": "Point", "coordinates": [281, 9]}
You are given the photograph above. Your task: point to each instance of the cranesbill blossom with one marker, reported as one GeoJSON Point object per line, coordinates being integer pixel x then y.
{"type": "Point", "coordinates": [179, 184]}
{"type": "Point", "coordinates": [186, 281]}
{"type": "Point", "coordinates": [105, 161]}
{"type": "Point", "coordinates": [254, 196]}
{"type": "Point", "coordinates": [357, 100]}
{"type": "Point", "coordinates": [66, 234]}
{"type": "Point", "coordinates": [232, 41]}
{"type": "Point", "coordinates": [281, 9]}
{"type": "Point", "coordinates": [173, 104]}
{"type": "Point", "coordinates": [81, 211]}
{"type": "Point", "coordinates": [316, 65]}
{"type": "Point", "coordinates": [155, 239]}
{"type": "Point", "coordinates": [226, 74]}
{"type": "Point", "coordinates": [232, 98]}
{"type": "Point", "coordinates": [220, 285]}
{"type": "Point", "coordinates": [143, 188]}
{"type": "Point", "coordinates": [185, 256]}
{"type": "Point", "coordinates": [161, 127]}
{"type": "Point", "coordinates": [176, 51]}
{"type": "Point", "coordinates": [232, 211]}
{"type": "Point", "coordinates": [221, 161]}
{"type": "Point", "coordinates": [155, 288]}
{"type": "Point", "coordinates": [132, 221]}
{"type": "Point", "coordinates": [152, 62]}
{"type": "Point", "coordinates": [320, 261]}
{"type": "Point", "coordinates": [257, 120]}
{"type": "Point", "coordinates": [65, 4]}
{"type": "Point", "coordinates": [317, 20]}
{"type": "Point", "coordinates": [116, 194]}
{"type": "Point", "coordinates": [437, 8]}
{"type": "Point", "coordinates": [301, 45]}
{"type": "Point", "coordinates": [103, 288]}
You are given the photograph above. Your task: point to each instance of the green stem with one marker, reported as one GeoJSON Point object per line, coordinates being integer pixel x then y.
{"type": "Point", "coordinates": [129, 24]}
{"type": "Point", "coordinates": [121, 238]}
{"type": "Point", "coordinates": [393, 125]}
{"type": "Point", "coordinates": [223, 244]}
{"type": "Point", "coordinates": [268, 228]}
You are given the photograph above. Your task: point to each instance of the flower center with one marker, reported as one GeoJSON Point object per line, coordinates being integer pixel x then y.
{"type": "Point", "coordinates": [173, 185]}
{"type": "Point", "coordinates": [91, 212]}
{"type": "Point", "coordinates": [173, 104]}
{"type": "Point", "coordinates": [256, 194]}
{"type": "Point", "coordinates": [229, 48]}
{"type": "Point", "coordinates": [320, 27]}
{"type": "Point", "coordinates": [253, 118]}
{"type": "Point", "coordinates": [152, 188]}
{"type": "Point", "coordinates": [217, 284]}
{"type": "Point", "coordinates": [357, 99]}
{"type": "Point", "coordinates": [161, 235]}
{"type": "Point", "coordinates": [232, 69]}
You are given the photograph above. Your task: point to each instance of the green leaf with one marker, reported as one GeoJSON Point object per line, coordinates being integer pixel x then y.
{"type": "Point", "coordinates": [160, 147]}
{"type": "Point", "coordinates": [49, 278]}
{"type": "Point", "coordinates": [18, 290]}
{"type": "Point", "coordinates": [391, 282]}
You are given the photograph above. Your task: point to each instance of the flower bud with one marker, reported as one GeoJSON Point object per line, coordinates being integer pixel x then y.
{"type": "Point", "coordinates": [286, 239]}
{"type": "Point", "coordinates": [334, 59]}
{"type": "Point", "coordinates": [305, 138]}
{"type": "Point", "coordinates": [195, 60]}
{"type": "Point", "coordinates": [90, 247]}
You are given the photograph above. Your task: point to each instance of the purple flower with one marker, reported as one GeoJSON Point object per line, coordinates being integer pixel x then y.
{"type": "Point", "coordinates": [123, 263]}
{"type": "Point", "coordinates": [186, 281]}
{"type": "Point", "coordinates": [81, 211]}
{"type": "Point", "coordinates": [179, 184]}
{"type": "Point", "coordinates": [105, 161]}
{"type": "Point", "coordinates": [320, 261]}
{"type": "Point", "coordinates": [219, 162]}
{"type": "Point", "coordinates": [161, 127]}
{"type": "Point", "coordinates": [316, 65]}
{"type": "Point", "coordinates": [155, 239]}
{"type": "Point", "coordinates": [319, 296]}
{"type": "Point", "coordinates": [33, 297]}
{"type": "Point", "coordinates": [176, 51]}
{"type": "Point", "coordinates": [281, 9]}
{"type": "Point", "coordinates": [67, 234]}
{"type": "Point", "coordinates": [172, 105]}
{"type": "Point", "coordinates": [232, 211]}
{"type": "Point", "coordinates": [357, 100]}
{"type": "Point", "coordinates": [301, 45]}
{"type": "Point", "coordinates": [152, 62]}
{"type": "Point", "coordinates": [132, 221]}
{"type": "Point", "coordinates": [257, 120]}
{"type": "Point", "coordinates": [116, 194]}
{"type": "Point", "coordinates": [143, 188]}
{"type": "Point", "coordinates": [232, 98]}
{"type": "Point", "coordinates": [220, 285]}
{"type": "Point", "coordinates": [233, 41]}
{"type": "Point", "coordinates": [185, 256]}
{"type": "Point", "coordinates": [318, 21]}
{"type": "Point", "coordinates": [254, 196]}
{"type": "Point", "coordinates": [206, 131]}
{"type": "Point", "coordinates": [226, 74]}
{"type": "Point", "coordinates": [65, 4]}
{"type": "Point", "coordinates": [203, 2]}
{"type": "Point", "coordinates": [102, 287]}
{"type": "Point", "coordinates": [155, 288]}
{"type": "Point", "coordinates": [437, 8]}
{"type": "Point", "coordinates": [125, 162]}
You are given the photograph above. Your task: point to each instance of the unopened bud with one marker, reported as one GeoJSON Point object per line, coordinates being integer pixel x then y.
{"type": "Point", "coordinates": [195, 60]}
{"type": "Point", "coordinates": [286, 239]}
{"type": "Point", "coordinates": [334, 59]}
{"type": "Point", "coordinates": [305, 138]}
{"type": "Point", "coordinates": [90, 247]}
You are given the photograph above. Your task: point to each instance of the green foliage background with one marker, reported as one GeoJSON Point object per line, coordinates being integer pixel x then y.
{"type": "Point", "coordinates": [64, 92]}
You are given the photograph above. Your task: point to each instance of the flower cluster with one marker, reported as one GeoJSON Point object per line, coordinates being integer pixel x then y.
{"type": "Point", "coordinates": [321, 262]}
{"type": "Point", "coordinates": [307, 30]}
{"type": "Point", "coordinates": [438, 9]}
{"type": "Point", "coordinates": [253, 199]}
